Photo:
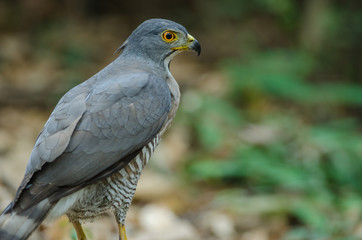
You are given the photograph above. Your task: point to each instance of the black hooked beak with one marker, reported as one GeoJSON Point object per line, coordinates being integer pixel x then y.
{"type": "Point", "coordinates": [194, 45]}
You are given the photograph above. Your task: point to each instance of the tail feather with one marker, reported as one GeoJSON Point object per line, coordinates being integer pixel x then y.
{"type": "Point", "coordinates": [19, 225]}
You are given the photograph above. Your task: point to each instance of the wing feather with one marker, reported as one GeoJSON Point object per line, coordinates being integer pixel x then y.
{"type": "Point", "coordinates": [96, 128]}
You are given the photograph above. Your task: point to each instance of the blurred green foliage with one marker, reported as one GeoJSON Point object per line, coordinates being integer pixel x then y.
{"type": "Point", "coordinates": [289, 127]}
{"type": "Point", "coordinates": [282, 76]}
{"type": "Point", "coordinates": [317, 161]}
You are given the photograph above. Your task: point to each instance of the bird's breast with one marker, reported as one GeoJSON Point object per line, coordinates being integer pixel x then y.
{"type": "Point", "coordinates": [115, 192]}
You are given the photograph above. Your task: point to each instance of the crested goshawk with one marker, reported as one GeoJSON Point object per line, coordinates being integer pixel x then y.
{"type": "Point", "coordinates": [90, 154]}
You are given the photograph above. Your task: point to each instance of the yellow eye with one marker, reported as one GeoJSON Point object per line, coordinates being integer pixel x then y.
{"type": "Point", "coordinates": [168, 36]}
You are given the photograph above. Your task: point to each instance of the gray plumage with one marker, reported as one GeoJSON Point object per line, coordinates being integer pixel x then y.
{"type": "Point", "coordinates": [91, 151]}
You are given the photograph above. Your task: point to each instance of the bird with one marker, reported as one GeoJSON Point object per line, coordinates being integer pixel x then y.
{"type": "Point", "coordinates": [89, 156]}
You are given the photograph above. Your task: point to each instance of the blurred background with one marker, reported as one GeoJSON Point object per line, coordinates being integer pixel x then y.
{"type": "Point", "coordinates": [267, 143]}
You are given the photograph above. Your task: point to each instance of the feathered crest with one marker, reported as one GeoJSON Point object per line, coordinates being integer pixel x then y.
{"type": "Point", "coordinates": [119, 50]}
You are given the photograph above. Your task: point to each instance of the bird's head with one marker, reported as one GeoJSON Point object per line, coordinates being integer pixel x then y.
{"type": "Point", "coordinates": [159, 40]}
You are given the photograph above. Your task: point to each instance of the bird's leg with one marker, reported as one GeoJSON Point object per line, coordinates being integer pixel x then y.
{"type": "Point", "coordinates": [122, 232]}
{"type": "Point", "coordinates": [79, 230]}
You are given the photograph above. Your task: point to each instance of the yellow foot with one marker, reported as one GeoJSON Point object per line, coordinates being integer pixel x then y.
{"type": "Point", "coordinates": [79, 230]}
{"type": "Point", "coordinates": [122, 232]}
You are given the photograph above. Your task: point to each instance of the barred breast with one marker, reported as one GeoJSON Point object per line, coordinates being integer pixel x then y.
{"type": "Point", "coordinates": [116, 192]}
{"type": "Point", "coordinates": [113, 193]}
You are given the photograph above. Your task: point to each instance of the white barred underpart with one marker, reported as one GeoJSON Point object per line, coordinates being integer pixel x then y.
{"type": "Point", "coordinates": [115, 192]}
